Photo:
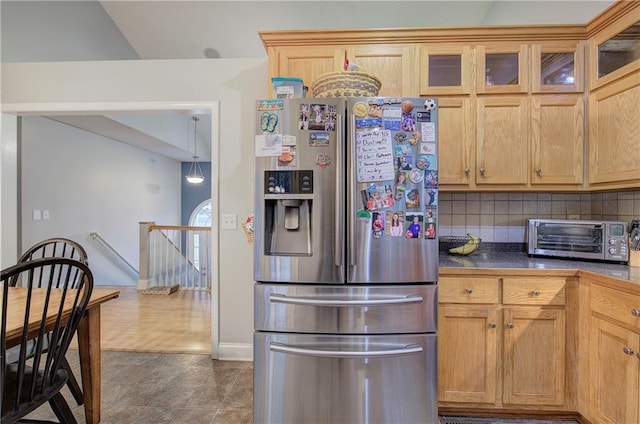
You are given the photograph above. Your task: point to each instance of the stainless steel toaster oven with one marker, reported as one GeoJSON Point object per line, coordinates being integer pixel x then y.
{"type": "Point", "coordinates": [600, 240]}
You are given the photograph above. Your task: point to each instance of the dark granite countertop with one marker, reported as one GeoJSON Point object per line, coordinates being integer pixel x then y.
{"type": "Point", "coordinates": [516, 258]}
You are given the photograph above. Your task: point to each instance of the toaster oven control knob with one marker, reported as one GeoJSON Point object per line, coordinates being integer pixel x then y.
{"type": "Point", "coordinates": [612, 241]}
{"type": "Point", "coordinates": [612, 250]}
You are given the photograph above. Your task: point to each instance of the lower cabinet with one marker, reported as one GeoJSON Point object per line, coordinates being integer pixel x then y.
{"type": "Point", "coordinates": [502, 342]}
{"type": "Point", "coordinates": [614, 358]}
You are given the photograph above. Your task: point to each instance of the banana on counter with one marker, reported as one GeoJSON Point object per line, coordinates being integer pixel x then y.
{"type": "Point", "coordinates": [468, 248]}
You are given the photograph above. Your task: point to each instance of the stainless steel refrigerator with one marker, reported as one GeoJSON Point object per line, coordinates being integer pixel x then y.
{"type": "Point", "coordinates": [346, 260]}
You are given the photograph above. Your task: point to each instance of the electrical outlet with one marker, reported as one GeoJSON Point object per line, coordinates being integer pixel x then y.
{"type": "Point", "coordinates": [229, 222]}
{"type": "Point", "coordinates": [45, 215]}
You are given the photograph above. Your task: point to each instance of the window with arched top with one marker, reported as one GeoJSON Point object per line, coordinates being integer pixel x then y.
{"type": "Point", "coordinates": [200, 217]}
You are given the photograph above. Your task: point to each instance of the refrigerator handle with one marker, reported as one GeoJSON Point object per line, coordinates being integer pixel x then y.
{"type": "Point", "coordinates": [353, 257]}
{"type": "Point", "coordinates": [339, 200]}
{"type": "Point", "coordinates": [281, 298]}
{"type": "Point", "coordinates": [320, 353]}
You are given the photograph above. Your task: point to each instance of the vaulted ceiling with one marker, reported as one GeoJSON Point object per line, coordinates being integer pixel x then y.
{"type": "Point", "coordinates": [34, 31]}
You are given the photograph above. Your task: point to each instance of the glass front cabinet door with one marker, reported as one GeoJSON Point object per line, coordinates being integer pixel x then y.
{"type": "Point", "coordinates": [445, 70]}
{"type": "Point", "coordinates": [557, 68]}
{"type": "Point", "coordinates": [502, 68]}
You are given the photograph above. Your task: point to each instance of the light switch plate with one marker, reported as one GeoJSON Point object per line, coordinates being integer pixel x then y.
{"type": "Point", "coordinates": [229, 222]}
{"type": "Point", "coordinates": [37, 214]}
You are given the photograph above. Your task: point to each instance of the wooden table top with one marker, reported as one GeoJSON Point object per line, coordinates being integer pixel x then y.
{"type": "Point", "coordinates": [16, 303]}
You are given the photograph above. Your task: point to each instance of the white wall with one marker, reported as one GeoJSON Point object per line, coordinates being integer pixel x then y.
{"type": "Point", "coordinates": [8, 191]}
{"type": "Point", "coordinates": [236, 84]}
{"type": "Point", "coordinates": [79, 178]}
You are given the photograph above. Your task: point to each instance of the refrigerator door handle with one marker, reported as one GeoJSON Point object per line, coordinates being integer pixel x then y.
{"type": "Point", "coordinates": [339, 199]}
{"type": "Point", "coordinates": [281, 298]}
{"type": "Point", "coordinates": [353, 258]}
{"type": "Point", "coordinates": [320, 353]}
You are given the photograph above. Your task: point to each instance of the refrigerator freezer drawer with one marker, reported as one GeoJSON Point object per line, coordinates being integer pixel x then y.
{"type": "Point", "coordinates": [303, 378]}
{"type": "Point", "coordinates": [345, 309]}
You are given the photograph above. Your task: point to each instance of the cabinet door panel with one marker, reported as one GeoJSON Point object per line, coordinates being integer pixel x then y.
{"type": "Point", "coordinates": [614, 374]}
{"type": "Point", "coordinates": [614, 133]}
{"type": "Point", "coordinates": [445, 69]}
{"type": "Point", "coordinates": [534, 372]}
{"type": "Point", "coordinates": [309, 63]}
{"type": "Point", "coordinates": [455, 143]}
{"type": "Point", "coordinates": [557, 134]}
{"type": "Point", "coordinates": [393, 65]}
{"type": "Point", "coordinates": [502, 68]}
{"type": "Point", "coordinates": [502, 140]}
{"type": "Point", "coordinates": [467, 354]}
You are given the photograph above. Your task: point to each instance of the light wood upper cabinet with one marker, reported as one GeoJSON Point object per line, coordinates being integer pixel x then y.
{"type": "Point", "coordinates": [445, 70]}
{"type": "Point", "coordinates": [308, 62]}
{"type": "Point", "coordinates": [502, 68]}
{"type": "Point", "coordinates": [614, 47]}
{"type": "Point", "coordinates": [502, 140]}
{"type": "Point", "coordinates": [392, 64]}
{"type": "Point", "coordinates": [557, 139]}
{"type": "Point", "coordinates": [456, 141]}
{"type": "Point", "coordinates": [557, 68]}
{"type": "Point", "coordinates": [614, 134]}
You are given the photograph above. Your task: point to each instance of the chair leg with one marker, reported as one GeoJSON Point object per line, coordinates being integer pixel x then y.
{"type": "Point", "coordinates": [74, 387]}
{"type": "Point", "coordinates": [61, 408]}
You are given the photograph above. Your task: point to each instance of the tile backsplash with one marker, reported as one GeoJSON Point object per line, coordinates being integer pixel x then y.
{"type": "Point", "coordinates": [502, 217]}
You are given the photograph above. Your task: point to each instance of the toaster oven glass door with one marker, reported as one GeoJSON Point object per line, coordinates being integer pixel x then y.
{"type": "Point", "coordinates": [584, 239]}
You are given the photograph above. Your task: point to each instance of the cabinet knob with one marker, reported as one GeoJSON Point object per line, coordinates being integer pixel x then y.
{"type": "Point", "coordinates": [509, 325]}
{"type": "Point", "coordinates": [538, 171]}
{"type": "Point", "coordinates": [535, 293]}
{"type": "Point", "coordinates": [468, 290]}
{"type": "Point", "coordinates": [482, 171]}
{"type": "Point", "coordinates": [466, 171]}
{"type": "Point", "coordinates": [492, 325]}
{"type": "Point", "coordinates": [627, 350]}
{"type": "Point", "coordinates": [635, 312]}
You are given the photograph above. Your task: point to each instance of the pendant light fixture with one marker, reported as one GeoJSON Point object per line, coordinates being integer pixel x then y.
{"type": "Point", "coordinates": [195, 175]}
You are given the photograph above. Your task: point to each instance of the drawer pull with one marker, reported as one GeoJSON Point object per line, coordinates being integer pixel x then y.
{"type": "Point", "coordinates": [468, 290]}
{"type": "Point", "coordinates": [492, 325]}
{"type": "Point", "coordinates": [635, 312]}
{"type": "Point", "coordinates": [509, 325]}
{"type": "Point", "coordinates": [535, 293]}
{"type": "Point", "coordinates": [627, 350]}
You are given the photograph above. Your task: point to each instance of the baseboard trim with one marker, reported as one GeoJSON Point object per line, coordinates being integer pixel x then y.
{"type": "Point", "coordinates": [235, 351]}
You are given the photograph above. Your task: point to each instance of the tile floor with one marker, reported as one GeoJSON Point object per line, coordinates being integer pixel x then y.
{"type": "Point", "coordinates": [179, 388]}
{"type": "Point", "coordinates": [154, 388]}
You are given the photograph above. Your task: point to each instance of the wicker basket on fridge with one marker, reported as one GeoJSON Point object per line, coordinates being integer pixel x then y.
{"type": "Point", "coordinates": [346, 84]}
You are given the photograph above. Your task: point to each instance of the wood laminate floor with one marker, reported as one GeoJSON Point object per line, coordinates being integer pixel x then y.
{"type": "Point", "coordinates": [175, 323]}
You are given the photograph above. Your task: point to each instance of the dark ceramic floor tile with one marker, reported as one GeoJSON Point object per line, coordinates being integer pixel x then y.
{"type": "Point", "coordinates": [149, 415]}
{"type": "Point", "coordinates": [207, 397]}
{"type": "Point", "coordinates": [245, 379]}
{"type": "Point", "coordinates": [239, 398]}
{"type": "Point", "coordinates": [172, 396]}
{"type": "Point", "coordinates": [193, 416]}
{"type": "Point", "coordinates": [144, 374]}
{"type": "Point", "coordinates": [233, 416]}
{"type": "Point", "coordinates": [119, 414]}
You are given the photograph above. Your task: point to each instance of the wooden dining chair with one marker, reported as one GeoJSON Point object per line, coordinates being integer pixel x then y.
{"type": "Point", "coordinates": [62, 248]}
{"type": "Point", "coordinates": [54, 293]}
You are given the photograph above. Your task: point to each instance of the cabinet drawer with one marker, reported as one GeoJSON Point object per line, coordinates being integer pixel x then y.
{"type": "Point", "coordinates": [468, 290]}
{"type": "Point", "coordinates": [533, 291]}
{"type": "Point", "coordinates": [618, 305]}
